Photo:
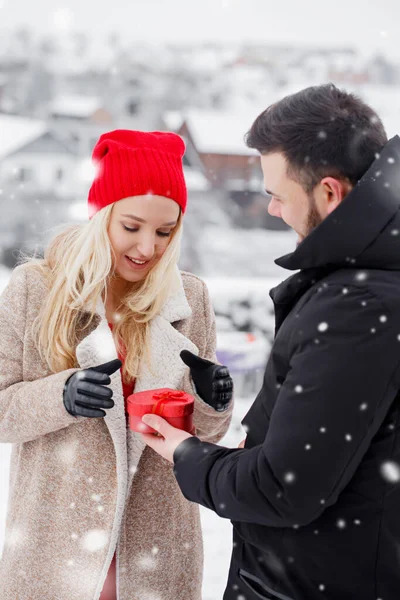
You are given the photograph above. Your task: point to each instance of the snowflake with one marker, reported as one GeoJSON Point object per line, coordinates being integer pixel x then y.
{"type": "Point", "coordinates": [363, 406]}
{"type": "Point", "coordinates": [222, 506]}
{"type": "Point", "coordinates": [341, 523]}
{"type": "Point", "coordinates": [245, 428]}
{"type": "Point", "coordinates": [289, 477]}
{"type": "Point", "coordinates": [322, 587]}
{"type": "Point", "coordinates": [345, 290]}
{"type": "Point", "coordinates": [70, 562]}
{"type": "Point", "coordinates": [14, 537]}
{"type": "Point", "coordinates": [390, 471]}
{"type": "Point", "coordinates": [187, 546]}
{"type": "Point", "coordinates": [96, 497]}
{"type": "Point", "coordinates": [322, 135]}
{"type": "Point", "coordinates": [363, 303]}
{"type": "Point", "coordinates": [95, 540]}
{"type": "Point", "coordinates": [90, 479]}
{"type": "Point", "coordinates": [155, 550]}
{"type": "Point", "coordinates": [322, 429]}
{"type": "Point", "coordinates": [308, 446]}
{"type": "Point", "coordinates": [323, 326]}
{"type": "Point", "coordinates": [383, 318]}
{"type": "Point", "coordinates": [298, 389]}
{"type": "Point", "coordinates": [348, 437]}
{"type": "Point", "coordinates": [147, 563]}
{"type": "Point", "coordinates": [357, 522]}
{"type": "Point", "coordinates": [391, 160]}
{"type": "Point", "coordinates": [361, 276]}
{"type": "Point", "coordinates": [132, 470]}
{"type": "Point", "coordinates": [72, 505]}
{"type": "Point", "coordinates": [74, 536]}
{"type": "Point", "coordinates": [373, 330]}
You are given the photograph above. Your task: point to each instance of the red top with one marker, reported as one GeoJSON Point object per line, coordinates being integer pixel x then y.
{"type": "Point", "coordinates": [127, 388]}
{"type": "Point", "coordinates": [109, 591]}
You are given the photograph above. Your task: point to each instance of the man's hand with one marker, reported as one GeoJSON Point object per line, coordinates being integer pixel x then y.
{"type": "Point", "coordinates": [213, 382]}
{"type": "Point", "coordinates": [166, 445]}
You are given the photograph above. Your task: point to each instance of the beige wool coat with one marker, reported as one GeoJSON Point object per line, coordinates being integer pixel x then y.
{"type": "Point", "coordinates": [81, 488]}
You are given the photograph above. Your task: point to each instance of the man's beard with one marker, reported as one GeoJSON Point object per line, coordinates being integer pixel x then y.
{"type": "Point", "coordinates": [313, 217]}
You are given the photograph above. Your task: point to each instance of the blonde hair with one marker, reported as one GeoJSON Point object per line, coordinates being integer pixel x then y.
{"type": "Point", "coordinates": [78, 264]}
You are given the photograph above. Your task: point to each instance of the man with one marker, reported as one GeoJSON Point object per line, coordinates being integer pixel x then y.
{"type": "Point", "coordinates": [314, 495]}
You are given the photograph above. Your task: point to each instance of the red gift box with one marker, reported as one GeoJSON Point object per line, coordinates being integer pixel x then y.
{"type": "Point", "coordinates": [175, 406]}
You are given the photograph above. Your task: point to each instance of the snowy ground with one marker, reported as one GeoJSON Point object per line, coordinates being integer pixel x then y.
{"type": "Point", "coordinates": [217, 531]}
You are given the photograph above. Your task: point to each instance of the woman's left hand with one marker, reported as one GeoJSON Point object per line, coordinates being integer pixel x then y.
{"type": "Point", "coordinates": [166, 445]}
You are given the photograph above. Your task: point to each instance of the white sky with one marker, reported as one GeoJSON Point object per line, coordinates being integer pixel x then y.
{"type": "Point", "coordinates": [368, 24]}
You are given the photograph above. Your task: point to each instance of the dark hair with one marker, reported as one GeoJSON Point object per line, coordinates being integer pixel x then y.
{"type": "Point", "coordinates": [322, 131]}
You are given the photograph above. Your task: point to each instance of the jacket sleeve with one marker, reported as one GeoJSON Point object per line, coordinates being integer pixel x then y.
{"type": "Point", "coordinates": [28, 409]}
{"type": "Point", "coordinates": [343, 376]}
{"type": "Point", "coordinates": [210, 424]}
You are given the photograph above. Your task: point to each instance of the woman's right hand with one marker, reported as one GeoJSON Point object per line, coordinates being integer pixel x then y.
{"type": "Point", "coordinates": [85, 394]}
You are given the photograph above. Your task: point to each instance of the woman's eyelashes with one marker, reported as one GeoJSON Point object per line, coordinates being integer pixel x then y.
{"type": "Point", "coordinates": [160, 233]}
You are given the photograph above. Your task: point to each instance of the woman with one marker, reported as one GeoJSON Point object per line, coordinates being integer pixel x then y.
{"type": "Point", "coordinates": [91, 507]}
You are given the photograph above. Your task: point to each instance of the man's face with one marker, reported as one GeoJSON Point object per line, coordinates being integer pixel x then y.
{"type": "Point", "coordinates": [289, 201]}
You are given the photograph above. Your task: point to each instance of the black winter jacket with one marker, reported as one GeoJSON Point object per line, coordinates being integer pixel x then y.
{"type": "Point", "coordinates": [314, 497]}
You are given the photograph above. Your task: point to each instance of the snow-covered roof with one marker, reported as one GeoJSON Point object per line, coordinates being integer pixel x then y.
{"type": "Point", "coordinates": [16, 132]}
{"type": "Point", "coordinates": [196, 181]}
{"type": "Point", "coordinates": [70, 105]}
{"type": "Point", "coordinates": [217, 132]}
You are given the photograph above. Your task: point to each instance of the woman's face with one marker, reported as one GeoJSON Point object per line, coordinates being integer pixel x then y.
{"type": "Point", "coordinates": [140, 229]}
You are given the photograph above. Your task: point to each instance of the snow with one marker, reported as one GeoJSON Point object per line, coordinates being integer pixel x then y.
{"type": "Point", "coordinates": [70, 105]}
{"type": "Point", "coordinates": [215, 132]}
{"type": "Point", "coordinates": [17, 132]}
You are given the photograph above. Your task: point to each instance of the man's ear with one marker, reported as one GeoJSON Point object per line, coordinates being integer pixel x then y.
{"type": "Point", "coordinates": [333, 192]}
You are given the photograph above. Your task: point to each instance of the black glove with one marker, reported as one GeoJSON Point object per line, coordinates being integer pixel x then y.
{"type": "Point", "coordinates": [213, 383]}
{"type": "Point", "coordinates": [84, 392]}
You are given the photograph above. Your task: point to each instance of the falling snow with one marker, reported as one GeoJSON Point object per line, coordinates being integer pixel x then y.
{"type": "Point", "coordinates": [390, 471]}
{"type": "Point", "coordinates": [361, 276]}
{"type": "Point", "coordinates": [289, 477]}
{"type": "Point", "coordinates": [323, 326]}
{"type": "Point", "coordinates": [341, 523]}
{"type": "Point", "coordinates": [95, 540]}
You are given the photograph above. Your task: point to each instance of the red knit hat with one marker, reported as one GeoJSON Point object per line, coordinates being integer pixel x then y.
{"type": "Point", "coordinates": [136, 163]}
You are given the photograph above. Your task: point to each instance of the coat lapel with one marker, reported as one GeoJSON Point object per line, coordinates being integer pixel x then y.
{"type": "Point", "coordinates": [166, 369]}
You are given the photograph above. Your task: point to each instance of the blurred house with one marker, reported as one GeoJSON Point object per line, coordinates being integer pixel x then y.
{"type": "Point", "coordinates": [33, 156]}
{"type": "Point", "coordinates": [79, 120]}
{"type": "Point", "coordinates": [233, 169]}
